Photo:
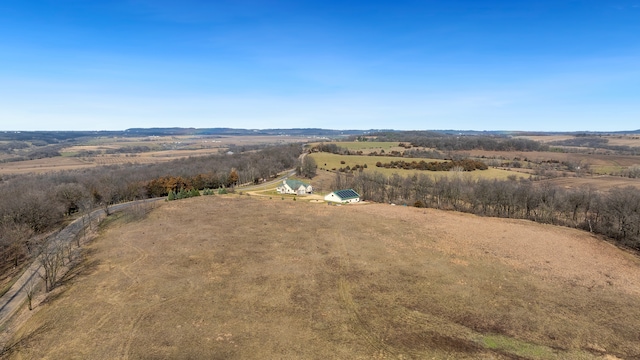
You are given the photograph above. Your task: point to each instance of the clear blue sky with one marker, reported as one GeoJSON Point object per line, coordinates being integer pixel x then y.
{"type": "Point", "coordinates": [551, 65]}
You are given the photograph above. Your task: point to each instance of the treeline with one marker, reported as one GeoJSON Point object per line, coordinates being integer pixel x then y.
{"type": "Point", "coordinates": [165, 185]}
{"type": "Point", "coordinates": [39, 203]}
{"type": "Point", "coordinates": [38, 153]}
{"type": "Point", "coordinates": [582, 141]}
{"type": "Point", "coordinates": [464, 165]}
{"type": "Point", "coordinates": [331, 148]}
{"type": "Point", "coordinates": [615, 214]}
{"type": "Point", "coordinates": [129, 149]}
{"type": "Point", "coordinates": [596, 143]}
{"type": "Point", "coordinates": [445, 142]}
{"type": "Point", "coordinates": [8, 147]}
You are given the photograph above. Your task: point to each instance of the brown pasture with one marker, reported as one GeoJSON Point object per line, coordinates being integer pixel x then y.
{"type": "Point", "coordinates": [546, 138]}
{"type": "Point", "coordinates": [239, 277]}
{"type": "Point", "coordinates": [632, 140]}
{"type": "Point", "coordinates": [603, 182]}
{"type": "Point", "coordinates": [540, 156]}
{"type": "Point", "coordinates": [43, 165]}
{"type": "Point", "coordinates": [624, 140]}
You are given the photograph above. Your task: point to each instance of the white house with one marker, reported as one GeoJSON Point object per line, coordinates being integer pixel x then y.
{"type": "Point", "coordinates": [343, 196]}
{"type": "Point", "coordinates": [295, 187]}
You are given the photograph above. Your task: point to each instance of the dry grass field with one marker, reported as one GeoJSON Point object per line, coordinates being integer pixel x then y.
{"type": "Point", "coordinates": [618, 140]}
{"type": "Point", "coordinates": [598, 163]}
{"type": "Point", "coordinates": [538, 156]}
{"type": "Point", "coordinates": [239, 277]}
{"type": "Point", "coordinates": [367, 147]}
{"type": "Point", "coordinates": [602, 183]}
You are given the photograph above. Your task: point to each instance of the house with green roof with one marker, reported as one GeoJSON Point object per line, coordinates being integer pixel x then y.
{"type": "Point", "coordinates": [343, 196]}
{"type": "Point", "coordinates": [295, 187]}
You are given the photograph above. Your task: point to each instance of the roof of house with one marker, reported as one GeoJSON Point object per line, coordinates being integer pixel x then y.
{"type": "Point", "coordinates": [347, 194]}
{"type": "Point", "coordinates": [295, 184]}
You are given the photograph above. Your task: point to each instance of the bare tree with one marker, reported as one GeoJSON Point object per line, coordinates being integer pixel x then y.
{"type": "Point", "coordinates": [308, 167]}
{"type": "Point", "coordinates": [71, 195]}
{"type": "Point", "coordinates": [52, 259]}
{"type": "Point", "coordinates": [30, 289]}
{"type": "Point", "coordinates": [15, 237]}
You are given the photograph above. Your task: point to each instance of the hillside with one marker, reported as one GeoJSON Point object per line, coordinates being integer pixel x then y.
{"type": "Point", "coordinates": [233, 277]}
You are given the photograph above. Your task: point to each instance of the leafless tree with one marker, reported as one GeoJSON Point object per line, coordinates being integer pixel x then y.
{"type": "Point", "coordinates": [51, 259]}
{"type": "Point", "coordinates": [308, 167]}
{"type": "Point", "coordinates": [15, 237]}
{"type": "Point", "coordinates": [71, 195]}
{"type": "Point", "coordinates": [30, 289]}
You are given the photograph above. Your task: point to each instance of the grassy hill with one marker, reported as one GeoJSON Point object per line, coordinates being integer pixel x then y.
{"type": "Point", "coordinates": [228, 277]}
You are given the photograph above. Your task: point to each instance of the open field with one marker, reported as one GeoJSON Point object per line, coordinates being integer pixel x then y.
{"type": "Point", "coordinates": [617, 140]}
{"type": "Point", "coordinates": [61, 163]}
{"type": "Point", "coordinates": [599, 163]}
{"type": "Point", "coordinates": [162, 149]}
{"type": "Point", "coordinates": [546, 138]}
{"type": "Point", "coordinates": [538, 156]}
{"type": "Point", "coordinates": [368, 146]}
{"type": "Point", "coordinates": [332, 161]}
{"type": "Point", "coordinates": [603, 182]}
{"type": "Point", "coordinates": [228, 277]}
{"type": "Point", "coordinates": [43, 165]}
{"type": "Point", "coordinates": [624, 140]}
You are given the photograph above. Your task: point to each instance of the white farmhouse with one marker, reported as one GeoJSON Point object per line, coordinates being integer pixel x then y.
{"type": "Point", "coordinates": [343, 196]}
{"type": "Point", "coordinates": [295, 187]}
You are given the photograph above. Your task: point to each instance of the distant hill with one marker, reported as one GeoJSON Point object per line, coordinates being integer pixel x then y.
{"type": "Point", "coordinates": [53, 137]}
{"type": "Point", "coordinates": [236, 132]}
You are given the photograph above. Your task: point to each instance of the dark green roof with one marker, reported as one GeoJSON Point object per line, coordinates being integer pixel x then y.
{"type": "Point", "coordinates": [347, 194]}
{"type": "Point", "coordinates": [295, 184]}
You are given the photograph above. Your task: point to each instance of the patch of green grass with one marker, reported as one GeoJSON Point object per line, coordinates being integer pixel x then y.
{"type": "Point", "coordinates": [517, 347]}
{"type": "Point", "coordinates": [271, 192]}
{"type": "Point", "coordinates": [109, 220]}
{"type": "Point", "coordinates": [368, 145]}
{"type": "Point", "coordinates": [607, 169]}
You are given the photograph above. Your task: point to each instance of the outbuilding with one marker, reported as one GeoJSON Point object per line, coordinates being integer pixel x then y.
{"type": "Point", "coordinates": [345, 196]}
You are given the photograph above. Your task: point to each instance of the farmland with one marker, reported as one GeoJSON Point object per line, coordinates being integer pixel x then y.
{"type": "Point", "coordinates": [327, 161]}
{"type": "Point", "coordinates": [101, 151]}
{"type": "Point", "coordinates": [572, 166]}
{"type": "Point", "coordinates": [285, 279]}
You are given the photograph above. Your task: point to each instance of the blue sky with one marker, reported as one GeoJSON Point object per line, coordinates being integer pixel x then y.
{"type": "Point", "coordinates": [470, 65]}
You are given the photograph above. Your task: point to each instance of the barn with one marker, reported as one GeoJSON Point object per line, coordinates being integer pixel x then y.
{"type": "Point", "coordinates": [343, 196]}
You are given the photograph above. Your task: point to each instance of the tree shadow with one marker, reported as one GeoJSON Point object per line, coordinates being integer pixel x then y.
{"type": "Point", "coordinates": [24, 341]}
